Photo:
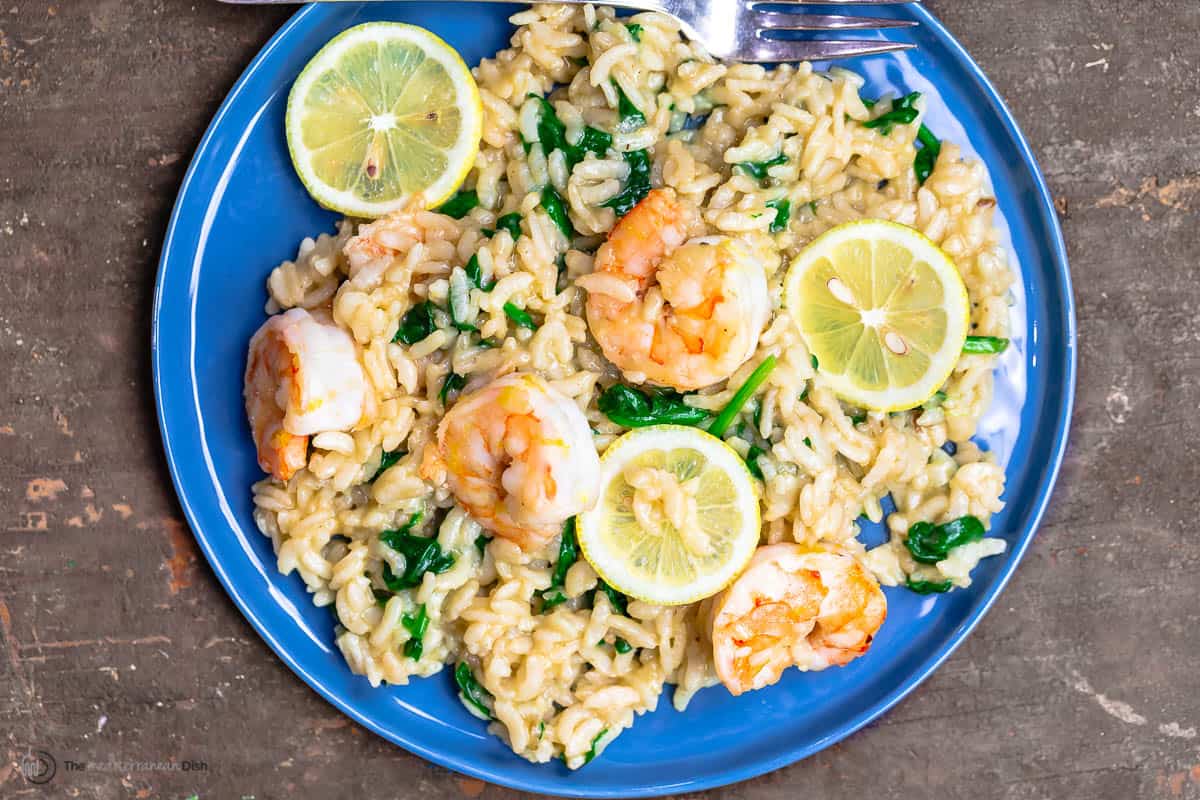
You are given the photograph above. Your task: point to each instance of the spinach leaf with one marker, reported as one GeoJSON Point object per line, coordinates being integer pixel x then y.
{"type": "Point", "coordinates": [421, 554]}
{"type": "Point", "coordinates": [741, 396]}
{"type": "Point", "coordinates": [931, 543]}
{"type": "Point", "coordinates": [618, 601]}
{"type": "Point", "coordinates": [637, 185]}
{"type": "Point", "coordinates": [903, 112]}
{"type": "Point", "coordinates": [593, 141]}
{"type": "Point", "coordinates": [552, 135]}
{"type": "Point", "coordinates": [752, 461]}
{"type": "Point", "coordinates": [415, 625]}
{"type": "Point", "coordinates": [931, 148]}
{"type": "Point", "coordinates": [511, 223]}
{"type": "Point", "coordinates": [520, 316]}
{"type": "Point", "coordinates": [387, 461]}
{"type": "Point", "coordinates": [458, 205]}
{"type": "Point", "coordinates": [553, 205]}
{"type": "Point", "coordinates": [453, 383]}
{"type": "Point", "coordinates": [568, 554]}
{"type": "Point", "coordinates": [416, 324]}
{"type": "Point", "coordinates": [986, 345]}
{"type": "Point", "coordinates": [783, 211]}
{"type": "Point", "coordinates": [551, 597]}
{"type": "Point", "coordinates": [481, 543]}
{"type": "Point", "coordinates": [381, 597]}
{"type": "Point", "coordinates": [815, 363]}
{"type": "Point", "coordinates": [622, 646]}
{"type": "Point", "coordinates": [630, 118]}
{"type": "Point", "coordinates": [635, 31]}
{"type": "Point", "coordinates": [632, 408]}
{"type": "Point", "coordinates": [591, 753]}
{"type": "Point", "coordinates": [406, 528]}
{"type": "Point", "coordinates": [471, 692]}
{"type": "Point", "coordinates": [927, 587]}
{"type": "Point", "coordinates": [758, 169]}
{"type": "Point", "coordinates": [750, 435]}
{"type": "Point", "coordinates": [475, 274]}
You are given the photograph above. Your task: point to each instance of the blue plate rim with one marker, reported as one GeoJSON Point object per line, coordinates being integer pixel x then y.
{"type": "Point", "coordinates": [1044, 490]}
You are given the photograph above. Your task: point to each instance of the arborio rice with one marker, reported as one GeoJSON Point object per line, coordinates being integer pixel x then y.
{"type": "Point", "coordinates": [558, 685]}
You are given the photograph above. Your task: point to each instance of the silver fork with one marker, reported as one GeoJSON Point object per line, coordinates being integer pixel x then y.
{"type": "Point", "coordinates": [736, 30]}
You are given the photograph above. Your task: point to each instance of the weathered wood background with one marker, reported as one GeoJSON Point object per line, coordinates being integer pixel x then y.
{"type": "Point", "coordinates": [117, 644]}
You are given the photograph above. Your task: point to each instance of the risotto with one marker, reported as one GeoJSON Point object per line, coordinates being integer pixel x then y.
{"type": "Point", "coordinates": [583, 115]}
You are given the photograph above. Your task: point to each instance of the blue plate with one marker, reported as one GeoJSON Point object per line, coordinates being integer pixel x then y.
{"type": "Point", "coordinates": [242, 210]}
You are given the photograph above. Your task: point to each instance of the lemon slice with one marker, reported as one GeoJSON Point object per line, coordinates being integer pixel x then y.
{"type": "Point", "coordinates": [383, 111]}
{"type": "Point", "coordinates": [677, 518]}
{"type": "Point", "coordinates": [884, 311]}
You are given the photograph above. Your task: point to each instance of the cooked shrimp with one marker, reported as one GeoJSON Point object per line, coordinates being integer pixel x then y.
{"type": "Point", "coordinates": [809, 607]}
{"type": "Point", "coordinates": [518, 456]}
{"type": "Point", "coordinates": [675, 311]}
{"type": "Point", "coordinates": [303, 377]}
{"type": "Point", "coordinates": [378, 246]}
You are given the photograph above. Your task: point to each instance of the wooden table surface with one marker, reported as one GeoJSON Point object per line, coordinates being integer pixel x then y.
{"type": "Point", "coordinates": [118, 646]}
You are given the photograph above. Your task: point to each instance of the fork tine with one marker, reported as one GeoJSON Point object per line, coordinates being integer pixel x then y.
{"type": "Point", "coordinates": [834, 2]}
{"type": "Point", "coordinates": [779, 50]}
{"type": "Point", "coordinates": [840, 2]}
{"type": "Point", "coordinates": [775, 20]}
